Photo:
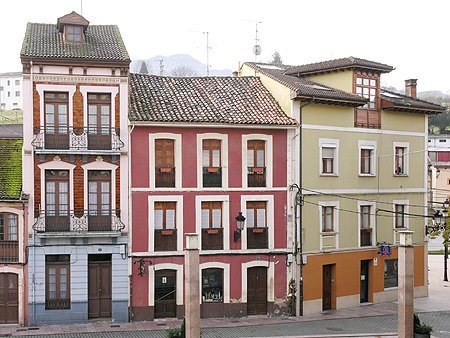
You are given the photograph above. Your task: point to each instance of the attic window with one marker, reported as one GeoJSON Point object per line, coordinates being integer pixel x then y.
{"type": "Point", "coordinates": [73, 33]}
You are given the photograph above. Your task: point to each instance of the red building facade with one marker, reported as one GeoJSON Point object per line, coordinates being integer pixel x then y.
{"type": "Point", "coordinates": [197, 177]}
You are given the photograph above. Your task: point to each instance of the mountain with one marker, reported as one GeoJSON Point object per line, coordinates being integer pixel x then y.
{"type": "Point", "coordinates": [182, 61]}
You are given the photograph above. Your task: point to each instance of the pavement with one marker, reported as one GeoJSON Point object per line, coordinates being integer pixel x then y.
{"type": "Point", "coordinates": [373, 320]}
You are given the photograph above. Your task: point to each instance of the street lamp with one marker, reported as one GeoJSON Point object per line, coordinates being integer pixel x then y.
{"type": "Point", "coordinates": [240, 223]}
{"type": "Point", "coordinates": [440, 226]}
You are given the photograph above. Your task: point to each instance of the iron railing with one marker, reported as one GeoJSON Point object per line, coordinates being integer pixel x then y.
{"type": "Point", "coordinates": [9, 251]}
{"type": "Point", "coordinates": [79, 221]}
{"type": "Point", "coordinates": [77, 138]}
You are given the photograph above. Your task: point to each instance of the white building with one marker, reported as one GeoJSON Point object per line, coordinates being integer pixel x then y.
{"type": "Point", "coordinates": [11, 91]}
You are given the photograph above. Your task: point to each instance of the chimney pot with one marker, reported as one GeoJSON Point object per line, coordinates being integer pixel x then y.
{"type": "Point", "coordinates": [411, 88]}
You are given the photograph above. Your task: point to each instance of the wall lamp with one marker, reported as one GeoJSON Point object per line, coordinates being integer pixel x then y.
{"type": "Point", "coordinates": [240, 223]}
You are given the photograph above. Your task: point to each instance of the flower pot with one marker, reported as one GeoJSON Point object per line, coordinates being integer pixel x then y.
{"type": "Point", "coordinates": [422, 335]}
{"type": "Point", "coordinates": [167, 232]}
{"type": "Point", "coordinates": [213, 170]}
{"type": "Point", "coordinates": [165, 170]}
{"type": "Point", "coordinates": [258, 230]}
{"type": "Point", "coordinates": [212, 231]}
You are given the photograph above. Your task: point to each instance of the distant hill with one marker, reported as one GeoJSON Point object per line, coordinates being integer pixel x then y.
{"type": "Point", "coordinates": [172, 62]}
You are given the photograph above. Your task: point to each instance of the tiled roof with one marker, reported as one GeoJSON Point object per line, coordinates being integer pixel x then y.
{"type": "Point", "coordinates": [396, 101]}
{"type": "Point", "coordinates": [348, 62]}
{"type": "Point", "coordinates": [102, 43]}
{"type": "Point", "coordinates": [11, 74]}
{"type": "Point", "coordinates": [304, 87]}
{"type": "Point", "coordinates": [11, 130]}
{"type": "Point", "coordinates": [227, 100]}
{"type": "Point", "coordinates": [10, 169]}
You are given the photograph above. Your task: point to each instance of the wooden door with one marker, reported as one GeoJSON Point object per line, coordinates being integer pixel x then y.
{"type": "Point", "coordinates": [165, 293]}
{"type": "Point", "coordinates": [257, 291]}
{"type": "Point", "coordinates": [327, 287]}
{"type": "Point", "coordinates": [56, 121]}
{"type": "Point", "coordinates": [99, 286]}
{"type": "Point", "coordinates": [99, 198]}
{"type": "Point", "coordinates": [9, 298]}
{"type": "Point", "coordinates": [99, 121]}
{"type": "Point", "coordinates": [364, 281]}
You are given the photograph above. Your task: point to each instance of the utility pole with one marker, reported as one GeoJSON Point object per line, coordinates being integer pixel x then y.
{"type": "Point", "coordinates": [81, 1]}
{"type": "Point", "coordinates": [161, 67]}
{"type": "Point", "coordinates": [207, 53]}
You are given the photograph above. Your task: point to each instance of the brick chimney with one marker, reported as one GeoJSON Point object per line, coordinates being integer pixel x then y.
{"type": "Point", "coordinates": [411, 88]}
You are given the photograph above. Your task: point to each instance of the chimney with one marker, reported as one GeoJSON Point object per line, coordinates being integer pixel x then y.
{"type": "Point", "coordinates": [411, 88]}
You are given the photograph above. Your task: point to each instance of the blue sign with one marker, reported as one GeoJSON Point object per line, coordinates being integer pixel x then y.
{"type": "Point", "coordinates": [385, 250]}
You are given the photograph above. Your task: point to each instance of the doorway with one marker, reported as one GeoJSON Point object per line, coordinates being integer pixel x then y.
{"type": "Point", "coordinates": [9, 298]}
{"type": "Point", "coordinates": [165, 293]}
{"type": "Point", "coordinates": [257, 291]}
{"type": "Point", "coordinates": [99, 286]}
{"type": "Point", "coordinates": [364, 281]}
{"type": "Point", "coordinates": [327, 287]}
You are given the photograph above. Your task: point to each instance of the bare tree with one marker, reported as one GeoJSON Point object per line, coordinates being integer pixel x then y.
{"type": "Point", "coordinates": [183, 71]}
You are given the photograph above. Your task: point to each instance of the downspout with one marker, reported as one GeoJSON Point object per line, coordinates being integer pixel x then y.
{"type": "Point", "coordinates": [34, 238]}
{"type": "Point", "coordinates": [299, 202]}
{"type": "Point", "coordinates": [130, 207]}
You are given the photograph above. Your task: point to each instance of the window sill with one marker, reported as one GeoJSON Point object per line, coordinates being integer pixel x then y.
{"type": "Point", "coordinates": [328, 233]}
{"type": "Point", "coordinates": [329, 175]}
{"type": "Point", "coordinates": [400, 175]}
{"type": "Point", "coordinates": [367, 175]}
{"type": "Point", "coordinates": [393, 288]}
{"type": "Point", "coordinates": [400, 229]}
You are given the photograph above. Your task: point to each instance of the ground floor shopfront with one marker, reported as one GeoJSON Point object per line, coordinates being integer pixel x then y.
{"type": "Point", "coordinates": [230, 286]}
{"type": "Point", "coordinates": [78, 282]}
{"type": "Point", "coordinates": [337, 280]}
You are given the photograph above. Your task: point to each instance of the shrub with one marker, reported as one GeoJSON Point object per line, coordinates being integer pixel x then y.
{"type": "Point", "coordinates": [421, 328]}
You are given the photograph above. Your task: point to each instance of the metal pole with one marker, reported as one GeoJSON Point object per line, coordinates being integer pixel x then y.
{"type": "Point", "coordinates": [445, 260]}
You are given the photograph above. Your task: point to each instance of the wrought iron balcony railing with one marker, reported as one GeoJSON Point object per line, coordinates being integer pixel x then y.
{"type": "Point", "coordinates": [9, 251]}
{"type": "Point", "coordinates": [79, 221]}
{"type": "Point", "coordinates": [77, 138]}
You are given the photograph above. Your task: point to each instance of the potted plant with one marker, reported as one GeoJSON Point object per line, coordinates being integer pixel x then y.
{"type": "Point", "coordinates": [421, 330]}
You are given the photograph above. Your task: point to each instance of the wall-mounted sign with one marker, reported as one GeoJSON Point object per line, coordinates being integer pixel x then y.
{"type": "Point", "coordinates": [385, 250]}
{"type": "Point", "coordinates": [164, 280]}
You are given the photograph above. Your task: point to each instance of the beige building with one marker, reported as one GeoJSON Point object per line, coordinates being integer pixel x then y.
{"type": "Point", "coordinates": [363, 178]}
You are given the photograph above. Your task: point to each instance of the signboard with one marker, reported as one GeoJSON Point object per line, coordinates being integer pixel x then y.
{"type": "Point", "coordinates": [385, 250]}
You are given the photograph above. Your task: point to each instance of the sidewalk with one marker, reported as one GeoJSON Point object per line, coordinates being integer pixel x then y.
{"type": "Point", "coordinates": [373, 320]}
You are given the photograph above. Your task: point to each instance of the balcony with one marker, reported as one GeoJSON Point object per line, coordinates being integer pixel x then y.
{"type": "Point", "coordinates": [77, 138]}
{"type": "Point", "coordinates": [257, 238]}
{"type": "Point", "coordinates": [9, 251]}
{"type": "Point", "coordinates": [165, 177]}
{"type": "Point", "coordinates": [79, 221]}
{"type": "Point", "coordinates": [256, 176]}
{"type": "Point", "coordinates": [212, 177]}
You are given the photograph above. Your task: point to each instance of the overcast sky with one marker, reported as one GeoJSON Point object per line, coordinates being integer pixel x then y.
{"type": "Point", "coordinates": [410, 35]}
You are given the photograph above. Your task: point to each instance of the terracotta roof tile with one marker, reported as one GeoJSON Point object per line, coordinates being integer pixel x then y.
{"type": "Point", "coordinates": [227, 100]}
{"type": "Point", "coordinates": [396, 101]}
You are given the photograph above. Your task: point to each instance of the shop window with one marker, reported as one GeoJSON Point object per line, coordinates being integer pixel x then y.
{"type": "Point", "coordinates": [57, 282]}
{"type": "Point", "coordinates": [390, 273]}
{"type": "Point", "coordinates": [212, 286]}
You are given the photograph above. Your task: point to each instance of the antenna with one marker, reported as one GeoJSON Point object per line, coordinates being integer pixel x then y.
{"type": "Point", "coordinates": [81, 1]}
{"type": "Point", "coordinates": [161, 67]}
{"type": "Point", "coordinates": [207, 53]}
{"type": "Point", "coordinates": [257, 47]}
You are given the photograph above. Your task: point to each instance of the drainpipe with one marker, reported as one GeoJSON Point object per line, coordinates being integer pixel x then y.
{"type": "Point", "coordinates": [299, 203]}
{"type": "Point", "coordinates": [34, 246]}
{"type": "Point", "coordinates": [130, 207]}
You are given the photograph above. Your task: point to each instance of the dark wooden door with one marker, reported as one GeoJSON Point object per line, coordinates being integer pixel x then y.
{"type": "Point", "coordinates": [165, 293]}
{"type": "Point", "coordinates": [99, 286]}
{"type": "Point", "coordinates": [364, 281]}
{"type": "Point", "coordinates": [99, 124]}
{"type": "Point", "coordinates": [9, 298]}
{"type": "Point", "coordinates": [257, 291]}
{"type": "Point", "coordinates": [327, 287]}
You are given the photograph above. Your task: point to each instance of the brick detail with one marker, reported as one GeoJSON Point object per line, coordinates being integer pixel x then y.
{"type": "Point", "coordinates": [78, 117]}
{"type": "Point", "coordinates": [36, 108]}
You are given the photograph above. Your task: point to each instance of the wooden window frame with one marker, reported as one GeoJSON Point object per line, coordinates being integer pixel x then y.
{"type": "Point", "coordinates": [164, 206]}
{"type": "Point", "coordinates": [58, 262]}
{"type": "Point", "coordinates": [400, 161]}
{"type": "Point", "coordinates": [257, 236]}
{"type": "Point", "coordinates": [221, 292]}
{"type": "Point", "coordinates": [99, 218]}
{"type": "Point", "coordinates": [215, 205]}
{"type": "Point", "coordinates": [372, 114]}
{"type": "Point", "coordinates": [165, 239]}
{"type": "Point", "coordinates": [256, 174]}
{"type": "Point", "coordinates": [326, 159]}
{"type": "Point", "coordinates": [163, 164]}
{"type": "Point", "coordinates": [56, 135]}
{"type": "Point", "coordinates": [212, 175]}
{"type": "Point", "coordinates": [325, 225]}
{"type": "Point", "coordinates": [363, 157]}
{"type": "Point", "coordinates": [72, 36]}
{"type": "Point", "coordinates": [255, 205]}
{"type": "Point", "coordinates": [5, 218]}
{"type": "Point", "coordinates": [365, 229]}
{"type": "Point", "coordinates": [210, 145]}
{"type": "Point", "coordinates": [400, 210]}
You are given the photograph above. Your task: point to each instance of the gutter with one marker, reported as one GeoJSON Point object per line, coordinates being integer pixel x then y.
{"type": "Point", "coordinates": [212, 125]}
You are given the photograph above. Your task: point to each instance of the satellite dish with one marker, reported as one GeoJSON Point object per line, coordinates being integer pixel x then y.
{"type": "Point", "coordinates": [257, 49]}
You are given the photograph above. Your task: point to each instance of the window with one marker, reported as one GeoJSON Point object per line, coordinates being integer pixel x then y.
{"type": "Point", "coordinates": [212, 230]}
{"type": "Point", "coordinates": [99, 200]}
{"type": "Point", "coordinates": [328, 160]}
{"type": "Point", "coordinates": [73, 33]}
{"type": "Point", "coordinates": [366, 228]}
{"type": "Point", "coordinates": [442, 140]}
{"type": "Point", "coordinates": [9, 82]}
{"type": "Point", "coordinates": [164, 163]}
{"type": "Point", "coordinates": [401, 159]}
{"type": "Point", "coordinates": [390, 273]}
{"type": "Point", "coordinates": [1, 88]}
{"type": "Point", "coordinates": [17, 82]}
{"type": "Point", "coordinates": [327, 218]}
{"type": "Point", "coordinates": [17, 93]}
{"type": "Point", "coordinates": [57, 200]}
{"type": "Point", "coordinates": [57, 282]}
{"type": "Point", "coordinates": [367, 86]}
{"type": "Point", "coordinates": [367, 160]}
{"type": "Point", "coordinates": [256, 163]}
{"type": "Point", "coordinates": [433, 156]}
{"type": "Point", "coordinates": [400, 216]}
{"type": "Point", "coordinates": [56, 106]}
{"type": "Point", "coordinates": [9, 94]}
{"type": "Point", "coordinates": [165, 226]}
{"type": "Point", "coordinates": [257, 234]}
{"type": "Point", "coordinates": [211, 163]}
{"type": "Point", "coordinates": [212, 286]}
{"type": "Point", "coordinates": [8, 227]}
{"type": "Point", "coordinates": [99, 121]}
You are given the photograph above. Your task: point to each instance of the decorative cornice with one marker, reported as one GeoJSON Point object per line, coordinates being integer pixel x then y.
{"type": "Point", "coordinates": [76, 79]}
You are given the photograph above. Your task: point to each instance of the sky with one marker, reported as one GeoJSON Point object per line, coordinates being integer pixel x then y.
{"type": "Point", "coordinates": [410, 35]}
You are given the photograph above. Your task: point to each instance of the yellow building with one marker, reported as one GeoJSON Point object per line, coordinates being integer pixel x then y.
{"type": "Point", "coordinates": [363, 178]}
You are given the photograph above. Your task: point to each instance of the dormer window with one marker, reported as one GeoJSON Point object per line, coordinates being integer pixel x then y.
{"type": "Point", "coordinates": [367, 85]}
{"type": "Point", "coordinates": [73, 33]}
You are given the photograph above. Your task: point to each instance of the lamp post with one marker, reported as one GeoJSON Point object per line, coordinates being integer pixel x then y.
{"type": "Point", "coordinates": [440, 227]}
{"type": "Point", "coordinates": [240, 223]}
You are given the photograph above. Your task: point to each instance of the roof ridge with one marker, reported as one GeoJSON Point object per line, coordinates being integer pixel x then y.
{"type": "Point", "coordinates": [410, 97]}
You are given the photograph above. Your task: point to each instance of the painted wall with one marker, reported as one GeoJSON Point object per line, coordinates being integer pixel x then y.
{"type": "Point", "coordinates": [342, 80]}
{"type": "Point", "coordinates": [11, 94]}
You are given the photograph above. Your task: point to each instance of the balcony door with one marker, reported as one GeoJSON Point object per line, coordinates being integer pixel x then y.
{"type": "Point", "coordinates": [99, 185]}
{"type": "Point", "coordinates": [57, 200]}
{"type": "Point", "coordinates": [56, 120]}
{"type": "Point", "coordinates": [99, 121]}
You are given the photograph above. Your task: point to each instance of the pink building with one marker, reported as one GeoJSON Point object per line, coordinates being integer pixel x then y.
{"type": "Point", "coordinates": [203, 151]}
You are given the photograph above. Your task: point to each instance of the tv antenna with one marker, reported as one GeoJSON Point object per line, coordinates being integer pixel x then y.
{"type": "Point", "coordinates": [207, 53]}
{"type": "Point", "coordinates": [81, 9]}
{"type": "Point", "coordinates": [161, 66]}
{"type": "Point", "coordinates": [257, 46]}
